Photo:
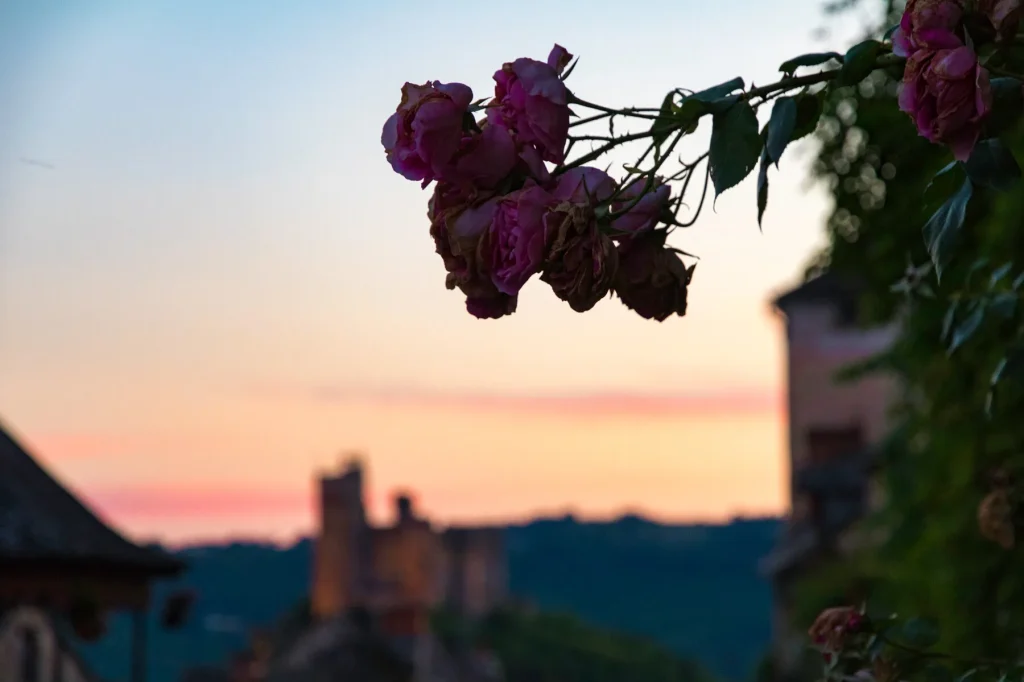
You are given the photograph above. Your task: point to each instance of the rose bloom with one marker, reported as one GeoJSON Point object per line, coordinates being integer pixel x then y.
{"type": "Point", "coordinates": [646, 213]}
{"type": "Point", "coordinates": [423, 135]}
{"type": "Point", "coordinates": [483, 159]}
{"type": "Point", "coordinates": [582, 183]}
{"type": "Point", "coordinates": [928, 24]}
{"type": "Point", "coordinates": [947, 94]}
{"type": "Point", "coordinates": [532, 100]}
{"type": "Point", "coordinates": [581, 262]}
{"type": "Point", "coordinates": [652, 280]}
{"type": "Point", "coordinates": [516, 241]}
{"type": "Point", "coordinates": [458, 227]}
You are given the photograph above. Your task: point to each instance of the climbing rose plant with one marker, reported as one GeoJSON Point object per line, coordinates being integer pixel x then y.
{"type": "Point", "coordinates": [510, 202]}
{"type": "Point", "coordinates": [508, 205]}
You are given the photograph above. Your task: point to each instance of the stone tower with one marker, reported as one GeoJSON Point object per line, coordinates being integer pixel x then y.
{"type": "Point", "coordinates": [339, 563]}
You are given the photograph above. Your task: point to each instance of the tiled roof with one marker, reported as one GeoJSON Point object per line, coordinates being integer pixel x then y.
{"type": "Point", "coordinates": [41, 520]}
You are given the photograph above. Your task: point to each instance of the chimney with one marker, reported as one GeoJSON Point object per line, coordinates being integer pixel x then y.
{"type": "Point", "coordinates": [403, 507]}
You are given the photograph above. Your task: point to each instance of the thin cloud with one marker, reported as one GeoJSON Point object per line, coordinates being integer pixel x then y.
{"type": "Point", "coordinates": [588, 404]}
{"type": "Point", "coordinates": [92, 445]}
{"type": "Point", "coordinates": [165, 502]}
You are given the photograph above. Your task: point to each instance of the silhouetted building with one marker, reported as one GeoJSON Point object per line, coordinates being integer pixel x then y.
{"type": "Point", "coordinates": [833, 430]}
{"type": "Point", "coordinates": [404, 567]}
{"type": "Point", "coordinates": [62, 570]}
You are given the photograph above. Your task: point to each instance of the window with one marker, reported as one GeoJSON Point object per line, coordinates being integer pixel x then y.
{"type": "Point", "coordinates": [825, 445]}
{"type": "Point", "coordinates": [29, 655]}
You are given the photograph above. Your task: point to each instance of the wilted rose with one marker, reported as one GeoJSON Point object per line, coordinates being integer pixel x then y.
{"type": "Point", "coordinates": [833, 626]}
{"type": "Point", "coordinates": [928, 24]}
{"type": "Point", "coordinates": [947, 94]}
{"type": "Point", "coordinates": [458, 230]}
{"type": "Point", "coordinates": [652, 280]}
{"type": "Point", "coordinates": [516, 240]}
{"type": "Point", "coordinates": [995, 518]}
{"type": "Point", "coordinates": [581, 262]}
{"type": "Point", "coordinates": [582, 184]}
{"type": "Point", "coordinates": [646, 213]}
{"type": "Point", "coordinates": [534, 103]}
{"type": "Point", "coordinates": [423, 135]}
{"type": "Point", "coordinates": [1004, 15]}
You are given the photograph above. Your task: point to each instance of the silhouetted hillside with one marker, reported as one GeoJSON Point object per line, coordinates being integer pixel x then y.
{"type": "Point", "coordinates": [694, 589]}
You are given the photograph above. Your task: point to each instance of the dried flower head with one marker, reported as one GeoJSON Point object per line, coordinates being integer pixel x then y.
{"type": "Point", "coordinates": [832, 627]}
{"type": "Point", "coordinates": [995, 518]}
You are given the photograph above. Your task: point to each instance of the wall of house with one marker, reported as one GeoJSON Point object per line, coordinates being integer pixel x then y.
{"type": "Point", "coordinates": [817, 349]}
{"type": "Point", "coordinates": [54, 661]}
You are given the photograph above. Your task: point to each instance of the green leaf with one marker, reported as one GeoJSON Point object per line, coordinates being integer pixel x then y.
{"type": "Point", "coordinates": [968, 326]}
{"type": "Point", "coordinates": [1011, 365]}
{"type": "Point", "coordinates": [781, 126]}
{"type": "Point", "coordinates": [998, 274]}
{"type": "Point", "coordinates": [943, 229]}
{"type": "Point", "coordinates": [809, 108]}
{"type": "Point", "coordinates": [859, 62]}
{"type": "Point", "coordinates": [735, 146]}
{"type": "Point", "coordinates": [992, 165]}
{"type": "Point", "coordinates": [666, 119]}
{"type": "Point", "coordinates": [976, 266]}
{"type": "Point", "coordinates": [718, 91]}
{"type": "Point", "coordinates": [920, 633]}
{"type": "Point", "coordinates": [762, 186]}
{"type": "Point", "coordinates": [813, 59]}
{"type": "Point", "coordinates": [1007, 104]}
{"type": "Point", "coordinates": [686, 115]}
{"type": "Point", "coordinates": [942, 186]}
{"type": "Point", "coordinates": [964, 677]}
{"type": "Point", "coordinates": [1004, 304]}
{"type": "Point", "coordinates": [1018, 281]}
{"type": "Point", "coordinates": [948, 320]}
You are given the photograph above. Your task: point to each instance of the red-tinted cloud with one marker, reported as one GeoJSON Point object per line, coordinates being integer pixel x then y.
{"type": "Point", "coordinates": [167, 502]}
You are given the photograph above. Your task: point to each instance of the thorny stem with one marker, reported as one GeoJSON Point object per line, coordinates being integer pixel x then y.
{"type": "Point", "coordinates": [764, 91]}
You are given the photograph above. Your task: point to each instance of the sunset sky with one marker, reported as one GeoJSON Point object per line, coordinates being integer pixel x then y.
{"type": "Point", "coordinates": [212, 284]}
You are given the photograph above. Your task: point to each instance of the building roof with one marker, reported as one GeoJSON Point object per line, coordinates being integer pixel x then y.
{"type": "Point", "coordinates": [40, 520]}
{"type": "Point", "coordinates": [827, 288]}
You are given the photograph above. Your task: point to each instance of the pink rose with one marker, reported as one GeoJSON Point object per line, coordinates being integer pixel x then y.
{"type": "Point", "coordinates": [928, 24]}
{"type": "Point", "coordinates": [533, 102]}
{"type": "Point", "coordinates": [517, 239]}
{"type": "Point", "coordinates": [458, 229]}
{"type": "Point", "coordinates": [947, 94]}
{"type": "Point", "coordinates": [423, 135]}
{"type": "Point", "coordinates": [577, 184]}
{"type": "Point", "coordinates": [484, 158]}
{"type": "Point", "coordinates": [646, 213]}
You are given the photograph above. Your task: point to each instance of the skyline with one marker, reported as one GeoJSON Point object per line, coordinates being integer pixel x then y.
{"type": "Point", "coordinates": [214, 283]}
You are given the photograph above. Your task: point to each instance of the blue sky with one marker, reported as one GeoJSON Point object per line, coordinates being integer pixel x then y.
{"type": "Point", "coordinates": [220, 226]}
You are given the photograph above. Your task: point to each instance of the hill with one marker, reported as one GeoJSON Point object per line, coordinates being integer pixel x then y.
{"type": "Point", "coordinates": [691, 588]}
